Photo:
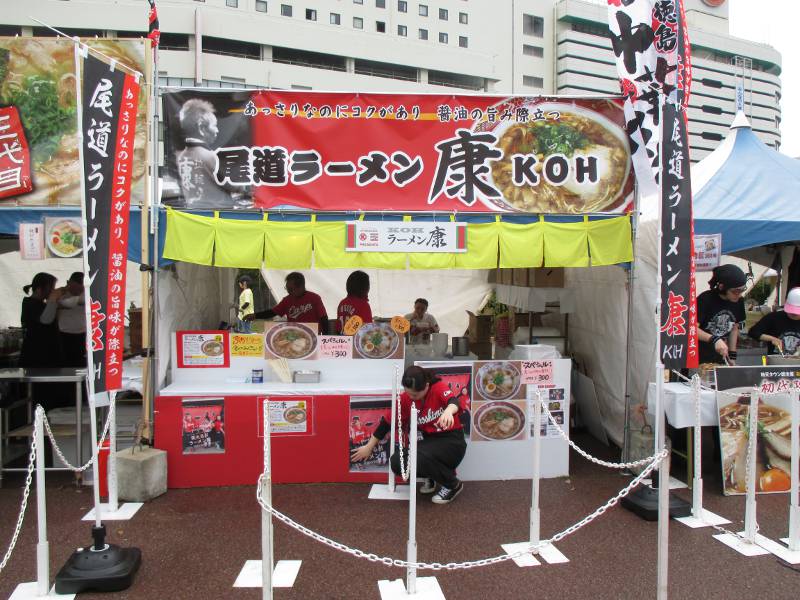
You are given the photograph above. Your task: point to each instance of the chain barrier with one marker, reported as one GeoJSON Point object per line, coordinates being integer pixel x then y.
{"type": "Point", "coordinates": [25, 494]}
{"type": "Point", "coordinates": [60, 454]}
{"type": "Point", "coordinates": [396, 562]}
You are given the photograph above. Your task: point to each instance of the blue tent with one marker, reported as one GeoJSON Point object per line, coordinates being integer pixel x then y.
{"type": "Point", "coordinates": [747, 191]}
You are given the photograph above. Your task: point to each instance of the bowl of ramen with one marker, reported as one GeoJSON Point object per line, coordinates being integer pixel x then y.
{"type": "Point", "coordinates": [295, 415]}
{"type": "Point", "coordinates": [65, 238]}
{"type": "Point", "coordinates": [774, 444]}
{"type": "Point", "coordinates": [291, 340]}
{"type": "Point", "coordinates": [212, 348]}
{"type": "Point", "coordinates": [499, 421]}
{"type": "Point", "coordinates": [583, 139]}
{"type": "Point", "coordinates": [376, 340]}
{"type": "Point", "coordinates": [498, 380]}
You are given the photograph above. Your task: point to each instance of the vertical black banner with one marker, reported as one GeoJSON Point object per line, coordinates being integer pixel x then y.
{"type": "Point", "coordinates": [678, 329]}
{"type": "Point", "coordinates": [102, 93]}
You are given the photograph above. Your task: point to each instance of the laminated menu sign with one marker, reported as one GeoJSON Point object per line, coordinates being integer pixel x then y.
{"type": "Point", "coordinates": [335, 346]}
{"type": "Point", "coordinates": [31, 241]}
{"type": "Point", "coordinates": [498, 406]}
{"type": "Point", "coordinates": [247, 344]}
{"type": "Point", "coordinates": [287, 416]}
{"type": "Point", "coordinates": [198, 349]}
{"type": "Point", "coordinates": [537, 372]}
{"type": "Point", "coordinates": [203, 425]}
{"type": "Point", "coordinates": [553, 398]}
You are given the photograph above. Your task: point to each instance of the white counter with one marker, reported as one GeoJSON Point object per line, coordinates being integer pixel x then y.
{"type": "Point", "coordinates": [679, 407]}
{"type": "Point", "coordinates": [276, 388]}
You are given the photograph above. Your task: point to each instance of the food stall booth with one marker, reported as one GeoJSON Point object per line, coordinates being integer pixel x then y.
{"type": "Point", "coordinates": [207, 415]}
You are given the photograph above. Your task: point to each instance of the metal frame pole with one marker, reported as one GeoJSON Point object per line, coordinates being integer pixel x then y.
{"type": "Point", "coordinates": [43, 546]}
{"type": "Point", "coordinates": [697, 484]}
{"type": "Point", "coordinates": [113, 490]}
{"type": "Point", "coordinates": [411, 572]}
{"type": "Point", "coordinates": [535, 517]}
{"type": "Point", "coordinates": [794, 509]}
{"type": "Point", "coordinates": [267, 547]}
{"type": "Point", "coordinates": [750, 505]}
{"type": "Point", "coordinates": [392, 429]}
{"type": "Point", "coordinates": [663, 491]}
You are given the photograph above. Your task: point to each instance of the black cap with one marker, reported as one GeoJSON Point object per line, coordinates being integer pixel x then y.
{"type": "Point", "coordinates": [730, 276]}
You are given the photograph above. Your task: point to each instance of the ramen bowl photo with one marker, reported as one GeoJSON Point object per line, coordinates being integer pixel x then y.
{"type": "Point", "coordinates": [498, 380]}
{"type": "Point", "coordinates": [294, 415]}
{"type": "Point", "coordinates": [64, 238]}
{"type": "Point", "coordinates": [581, 139]}
{"type": "Point", "coordinates": [212, 348]}
{"type": "Point", "coordinates": [292, 340]}
{"type": "Point", "coordinates": [499, 421]}
{"type": "Point", "coordinates": [376, 340]}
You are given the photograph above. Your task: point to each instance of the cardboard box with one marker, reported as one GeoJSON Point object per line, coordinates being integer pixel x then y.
{"type": "Point", "coordinates": [505, 276]}
{"type": "Point", "coordinates": [546, 277]}
{"type": "Point", "coordinates": [519, 277]}
{"type": "Point", "coordinates": [483, 350]}
{"type": "Point", "coordinates": [480, 328]}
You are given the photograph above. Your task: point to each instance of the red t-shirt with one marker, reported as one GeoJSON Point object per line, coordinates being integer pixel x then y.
{"type": "Point", "coordinates": [217, 425]}
{"type": "Point", "coordinates": [307, 308]}
{"type": "Point", "coordinates": [353, 305]}
{"type": "Point", "coordinates": [431, 408]}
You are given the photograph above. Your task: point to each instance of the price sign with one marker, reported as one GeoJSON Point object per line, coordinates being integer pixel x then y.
{"type": "Point", "coordinates": [537, 372]}
{"type": "Point", "coordinates": [352, 325]}
{"type": "Point", "coordinates": [247, 344]}
{"type": "Point", "coordinates": [335, 346]}
{"type": "Point", "coordinates": [401, 325]}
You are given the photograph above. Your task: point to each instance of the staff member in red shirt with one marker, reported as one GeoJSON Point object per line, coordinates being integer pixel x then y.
{"type": "Point", "coordinates": [357, 300]}
{"type": "Point", "coordinates": [442, 446]}
{"type": "Point", "coordinates": [298, 306]}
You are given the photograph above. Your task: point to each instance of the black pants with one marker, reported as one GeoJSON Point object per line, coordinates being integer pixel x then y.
{"type": "Point", "coordinates": [438, 455]}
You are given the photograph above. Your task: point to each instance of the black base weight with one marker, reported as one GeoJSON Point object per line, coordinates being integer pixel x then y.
{"type": "Point", "coordinates": [643, 501]}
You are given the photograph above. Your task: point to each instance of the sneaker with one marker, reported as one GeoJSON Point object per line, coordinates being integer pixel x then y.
{"type": "Point", "coordinates": [446, 495]}
{"type": "Point", "coordinates": [428, 486]}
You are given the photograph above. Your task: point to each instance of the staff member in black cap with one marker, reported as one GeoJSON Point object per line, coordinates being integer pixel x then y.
{"type": "Point", "coordinates": [720, 312]}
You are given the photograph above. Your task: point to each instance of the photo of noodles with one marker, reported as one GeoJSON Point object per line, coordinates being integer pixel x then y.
{"type": "Point", "coordinates": [579, 135]}
{"type": "Point", "coordinates": [37, 76]}
{"type": "Point", "coordinates": [773, 445]}
{"type": "Point", "coordinates": [212, 348]}
{"type": "Point", "coordinates": [64, 237]}
{"type": "Point", "coordinates": [499, 421]}
{"type": "Point", "coordinates": [376, 340]}
{"type": "Point", "coordinates": [294, 415]}
{"type": "Point", "coordinates": [291, 340]}
{"type": "Point", "coordinates": [498, 380]}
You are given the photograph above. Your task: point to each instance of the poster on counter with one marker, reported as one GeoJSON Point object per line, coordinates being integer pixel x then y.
{"type": "Point", "coordinates": [247, 344]}
{"type": "Point", "coordinates": [291, 415]}
{"type": "Point", "coordinates": [499, 421]}
{"type": "Point", "coordinates": [366, 413]}
{"type": "Point", "coordinates": [289, 340]}
{"type": "Point", "coordinates": [203, 425]}
{"type": "Point", "coordinates": [335, 346]}
{"type": "Point", "coordinates": [498, 380]}
{"type": "Point", "coordinates": [203, 349]}
{"type": "Point", "coordinates": [773, 454]}
{"type": "Point", "coordinates": [458, 377]}
{"type": "Point", "coordinates": [378, 341]}
{"type": "Point", "coordinates": [31, 241]}
{"type": "Point", "coordinates": [554, 399]}
{"type": "Point", "coordinates": [707, 251]}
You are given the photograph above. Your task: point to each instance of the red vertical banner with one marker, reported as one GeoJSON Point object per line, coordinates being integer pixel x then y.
{"type": "Point", "coordinates": [15, 156]}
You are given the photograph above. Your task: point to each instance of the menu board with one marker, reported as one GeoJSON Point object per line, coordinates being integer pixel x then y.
{"type": "Point", "coordinates": [203, 425]}
{"type": "Point", "coordinates": [203, 349]}
{"type": "Point", "coordinates": [292, 341]}
{"type": "Point", "coordinates": [335, 346]}
{"type": "Point", "coordinates": [499, 409]}
{"type": "Point", "coordinates": [366, 413]}
{"type": "Point", "coordinates": [247, 344]}
{"type": "Point", "coordinates": [287, 416]}
{"type": "Point", "coordinates": [537, 372]}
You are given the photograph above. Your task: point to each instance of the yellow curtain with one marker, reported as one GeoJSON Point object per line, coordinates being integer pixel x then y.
{"type": "Point", "coordinates": [239, 243]}
{"type": "Point", "coordinates": [610, 241]}
{"type": "Point", "coordinates": [566, 244]}
{"type": "Point", "coordinates": [482, 239]}
{"type": "Point", "coordinates": [329, 244]}
{"type": "Point", "coordinates": [520, 245]}
{"type": "Point", "coordinates": [288, 245]}
{"type": "Point", "coordinates": [190, 238]}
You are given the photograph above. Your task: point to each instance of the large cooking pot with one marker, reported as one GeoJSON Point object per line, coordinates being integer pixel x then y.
{"type": "Point", "coordinates": [460, 346]}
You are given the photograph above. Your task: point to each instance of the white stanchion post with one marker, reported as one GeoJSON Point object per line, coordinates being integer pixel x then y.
{"type": "Point", "coordinates": [267, 557]}
{"type": "Point", "coordinates": [750, 506]}
{"type": "Point", "coordinates": [411, 572]}
{"type": "Point", "coordinates": [535, 516]}
{"type": "Point", "coordinates": [113, 493]}
{"type": "Point", "coordinates": [794, 509]}
{"type": "Point", "coordinates": [663, 490]}
{"type": "Point", "coordinates": [95, 462]}
{"type": "Point", "coordinates": [43, 546]}
{"type": "Point", "coordinates": [697, 484]}
{"type": "Point", "coordinates": [392, 428]}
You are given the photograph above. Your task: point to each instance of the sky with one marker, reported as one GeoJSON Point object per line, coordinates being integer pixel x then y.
{"type": "Point", "coordinates": [774, 22]}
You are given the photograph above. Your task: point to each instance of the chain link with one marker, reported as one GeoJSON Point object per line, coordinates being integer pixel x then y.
{"type": "Point", "coordinates": [452, 566]}
{"type": "Point", "coordinates": [99, 445]}
{"type": "Point", "coordinates": [25, 494]}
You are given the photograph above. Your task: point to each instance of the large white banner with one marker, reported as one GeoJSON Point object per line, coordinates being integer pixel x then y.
{"type": "Point", "coordinates": [402, 236]}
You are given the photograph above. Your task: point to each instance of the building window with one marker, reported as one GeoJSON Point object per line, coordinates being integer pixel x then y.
{"type": "Point", "coordinates": [710, 135]}
{"type": "Point", "coordinates": [443, 14]}
{"type": "Point", "coordinates": [402, 30]}
{"type": "Point", "coordinates": [423, 10]}
{"type": "Point", "coordinates": [311, 14]}
{"type": "Point", "coordinates": [380, 26]}
{"type": "Point", "coordinates": [714, 110]}
{"type": "Point", "coordinates": [232, 3]}
{"type": "Point", "coordinates": [423, 34]}
{"type": "Point", "coordinates": [358, 23]}
{"type": "Point", "coordinates": [529, 50]}
{"type": "Point", "coordinates": [712, 83]}
{"type": "Point", "coordinates": [336, 19]}
{"type": "Point", "coordinates": [261, 5]}
{"type": "Point", "coordinates": [463, 42]}
{"type": "Point", "coordinates": [380, 3]}
{"type": "Point", "coordinates": [534, 82]}
{"type": "Point", "coordinates": [286, 10]}
{"type": "Point", "coordinates": [532, 25]}
{"type": "Point", "coordinates": [358, 1]}
{"type": "Point", "coordinates": [463, 18]}
{"type": "Point", "coordinates": [402, 6]}
{"type": "Point", "coordinates": [442, 37]}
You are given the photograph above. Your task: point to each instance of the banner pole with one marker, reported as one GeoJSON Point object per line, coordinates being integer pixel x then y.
{"type": "Point", "coordinates": [794, 509]}
{"type": "Point", "coordinates": [113, 493]}
{"type": "Point", "coordinates": [534, 530]}
{"type": "Point", "coordinates": [267, 557]}
{"type": "Point", "coordinates": [750, 506]}
{"type": "Point", "coordinates": [663, 492]}
{"type": "Point", "coordinates": [697, 484]}
{"type": "Point", "coordinates": [392, 428]}
{"type": "Point", "coordinates": [43, 546]}
{"type": "Point", "coordinates": [411, 572]}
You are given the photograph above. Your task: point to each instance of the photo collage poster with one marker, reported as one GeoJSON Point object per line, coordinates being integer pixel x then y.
{"type": "Point", "coordinates": [203, 425]}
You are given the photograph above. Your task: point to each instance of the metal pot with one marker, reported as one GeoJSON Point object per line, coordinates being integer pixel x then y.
{"type": "Point", "coordinates": [460, 346]}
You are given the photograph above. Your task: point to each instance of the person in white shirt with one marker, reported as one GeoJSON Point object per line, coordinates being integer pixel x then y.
{"type": "Point", "coordinates": [421, 321]}
{"type": "Point", "coordinates": [69, 311]}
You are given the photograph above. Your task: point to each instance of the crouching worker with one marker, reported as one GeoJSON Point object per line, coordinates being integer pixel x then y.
{"type": "Point", "coordinates": [442, 446]}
